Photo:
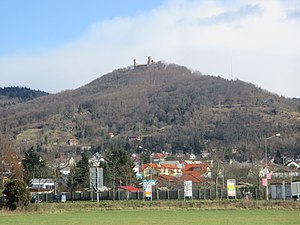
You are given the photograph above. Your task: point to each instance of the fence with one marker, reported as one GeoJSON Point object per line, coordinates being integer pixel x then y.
{"type": "Point", "coordinates": [199, 194]}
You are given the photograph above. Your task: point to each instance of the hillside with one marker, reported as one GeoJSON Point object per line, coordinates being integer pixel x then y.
{"type": "Point", "coordinates": [168, 107]}
{"type": "Point", "coordinates": [13, 95]}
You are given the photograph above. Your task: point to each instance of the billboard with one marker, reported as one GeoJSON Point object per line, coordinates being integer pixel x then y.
{"type": "Point", "coordinates": [147, 188]}
{"type": "Point", "coordinates": [96, 178]}
{"type": "Point", "coordinates": [188, 188]}
{"type": "Point", "coordinates": [231, 189]}
{"type": "Point", "coordinates": [295, 187]}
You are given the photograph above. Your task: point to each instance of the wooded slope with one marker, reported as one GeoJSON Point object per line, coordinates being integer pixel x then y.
{"type": "Point", "coordinates": [169, 106]}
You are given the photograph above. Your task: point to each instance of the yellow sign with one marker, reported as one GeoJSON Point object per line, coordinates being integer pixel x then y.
{"type": "Point", "coordinates": [231, 190]}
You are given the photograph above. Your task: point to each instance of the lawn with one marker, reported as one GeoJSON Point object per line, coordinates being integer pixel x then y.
{"type": "Point", "coordinates": [155, 216]}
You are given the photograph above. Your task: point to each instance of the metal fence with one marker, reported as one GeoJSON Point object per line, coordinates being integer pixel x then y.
{"type": "Point", "coordinates": [198, 194]}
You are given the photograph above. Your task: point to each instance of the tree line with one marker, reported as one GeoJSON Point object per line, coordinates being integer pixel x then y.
{"type": "Point", "coordinates": [21, 93]}
{"type": "Point", "coordinates": [117, 166]}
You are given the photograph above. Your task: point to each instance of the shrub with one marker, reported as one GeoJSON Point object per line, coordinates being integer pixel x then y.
{"type": "Point", "coordinates": [16, 194]}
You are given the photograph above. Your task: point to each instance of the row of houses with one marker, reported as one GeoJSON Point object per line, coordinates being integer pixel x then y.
{"type": "Point", "coordinates": [171, 173]}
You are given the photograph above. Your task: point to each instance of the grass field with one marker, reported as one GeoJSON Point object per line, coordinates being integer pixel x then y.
{"type": "Point", "coordinates": [150, 216]}
{"type": "Point", "coordinates": [156, 212]}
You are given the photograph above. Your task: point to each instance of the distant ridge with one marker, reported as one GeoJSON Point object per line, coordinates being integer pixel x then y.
{"type": "Point", "coordinates": [21, 93]}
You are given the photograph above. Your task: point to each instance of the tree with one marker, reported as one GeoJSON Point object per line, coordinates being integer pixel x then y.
{"type": "Point", "coordinates": [16, 194]}
{"type": "Point", "coordinates": [79, 175]}
{"type": "Point", "coordinates": [8, 159]}
{"type": "Point", "coordinates": [71, 182]}
{"type": "Point", "coordinates": [121, 166]}
{"type": "Point", "coordinates": [107, 174]}
{"type": "Point", "coordinates": [218, 169]}
{"type": "Point", "coordinates": [82, 173]}
{"type": "Point", "coordinates": [34, 165]}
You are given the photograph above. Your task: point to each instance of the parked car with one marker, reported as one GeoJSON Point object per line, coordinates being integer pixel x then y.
{"type": "Point", "coordinates": [35, 199]}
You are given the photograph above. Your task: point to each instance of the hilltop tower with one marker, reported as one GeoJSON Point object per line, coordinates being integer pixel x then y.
{"type": "Point", "coordinates": [150, 60]}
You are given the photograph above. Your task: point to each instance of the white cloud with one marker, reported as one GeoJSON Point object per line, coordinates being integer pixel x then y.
{"type": "Point", "coordinates": [233, 17]}
{"type": "Point", "coordinates": [259, 37]}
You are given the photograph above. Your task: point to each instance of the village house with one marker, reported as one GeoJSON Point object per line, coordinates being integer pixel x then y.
{"type": "Point", "coordinates": [293, 164]}
{"type": "Point", "coordinates": [198, 170]}
{"type": "Point", "coordinates": [173, 175]}
{"type": "Point", "coordinates": [42, 185]}
{"type": "Point", "coordinates": [172, 162]}
{"type": "Point", "coordinates": [158, 157]}
{"type": "Point", "coordinates": [169, 169]}
{"type": "Point", "coordinates": [205, 154]}
{"type": "Point", "coordinates": [146, 170]}
{"type": "Point", "coordinates": [135, 137]}
{"type": "Point", "coordinates": [72, 142]}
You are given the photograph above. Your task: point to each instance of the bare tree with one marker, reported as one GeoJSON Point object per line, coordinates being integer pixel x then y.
{"type": "Point", "coordinates": [9, 160]}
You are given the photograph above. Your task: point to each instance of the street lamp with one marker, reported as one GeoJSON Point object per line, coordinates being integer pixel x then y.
{"type": "Point", "coordinates": [266, 159]}
{"type": "Point", "coordinates": [147, 186]}
{"type": "Point", "coordinates": [144, 149]}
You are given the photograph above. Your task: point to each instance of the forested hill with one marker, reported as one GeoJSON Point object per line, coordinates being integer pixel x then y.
{"type": "Point", "coordinates": [161, 107]}
{"type": "Point", "coordinates": [21, 93]}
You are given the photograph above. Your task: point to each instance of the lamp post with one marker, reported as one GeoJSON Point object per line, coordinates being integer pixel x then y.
{"type": "Point", "coordinates": [147, 186]}
{"type": "Point", "coordinates": [144, 149]}
{"type": "Point", "coordinates": [283, 182]}
{"type": "Point", "coordinates": [266, 159]}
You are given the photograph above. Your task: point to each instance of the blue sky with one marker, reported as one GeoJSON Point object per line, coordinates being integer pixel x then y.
{"type": "Point", "coordinates": [54, 45]}
{"type": "Point", "coordinates": [39, 25]}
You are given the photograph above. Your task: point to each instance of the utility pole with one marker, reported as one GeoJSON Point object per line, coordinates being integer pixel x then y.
{"type": "Point", "coordinates": [266, 161]}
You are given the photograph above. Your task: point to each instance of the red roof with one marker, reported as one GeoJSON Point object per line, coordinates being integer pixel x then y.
{"type": "Point", "coordinates": [169, 166]}
{"type": "Point", "coordinates": [167, 177]}
{"type": "Point", "coordinates": [158, 156]}
{"type": "Point", "coordinates": [198, 167]}
{"type": "Point", "coordinates": [129, 188]}
{"type": "Point", "coordinates": [194, 176]}
{"type": "Point", "coordinates": [151, 165]}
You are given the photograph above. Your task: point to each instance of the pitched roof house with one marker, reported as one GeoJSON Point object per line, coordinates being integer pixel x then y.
{"type": "Point", "coordinates": [197, 170]}
{"type": "Point", "coordinates": [42, 185]}
{"type": "Point", "coordinates": [158, 157]}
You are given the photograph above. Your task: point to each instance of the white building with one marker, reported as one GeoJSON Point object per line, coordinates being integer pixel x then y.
{"type": "Point", "coordinates": [42, 184]}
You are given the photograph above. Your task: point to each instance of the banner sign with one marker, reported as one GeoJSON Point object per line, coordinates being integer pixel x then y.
{"type": "Point", "coordinates": [188, 188]}
{"type": "Point", "coordinates": [231, 189]}
{"type": "Point", "coordinates": [264, 182]}
{"type": "Point", "coordinates": [147, 188]}
{"type": "Point", "coordinates": [269, 176]}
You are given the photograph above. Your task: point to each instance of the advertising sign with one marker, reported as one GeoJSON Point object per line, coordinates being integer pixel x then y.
{"type": "Point", "coordinates": [96, 178]}
{"type": "Point", "coordinates": [188, 188]}
{"type": "Point", "coordinates": [231, 189]}
{"type": "Point", "coordinates": [63, 198]}
{"type": "Point", "coordinates": [147, 188]}
{"type": "Point", "coordinates": [264, 182]}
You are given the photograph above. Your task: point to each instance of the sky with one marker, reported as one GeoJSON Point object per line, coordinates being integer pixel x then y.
{"type": "Point", "coordinates": [57, 45]}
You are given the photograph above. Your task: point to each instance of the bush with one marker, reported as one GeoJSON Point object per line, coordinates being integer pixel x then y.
{"type": "Point", "coordinates": [1, 202]}
{"type": "Point", "coordinates": [16, 194]}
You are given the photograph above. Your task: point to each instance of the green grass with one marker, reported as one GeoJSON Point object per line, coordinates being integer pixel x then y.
{"type": "Point", "coordinates": [150, 216]}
